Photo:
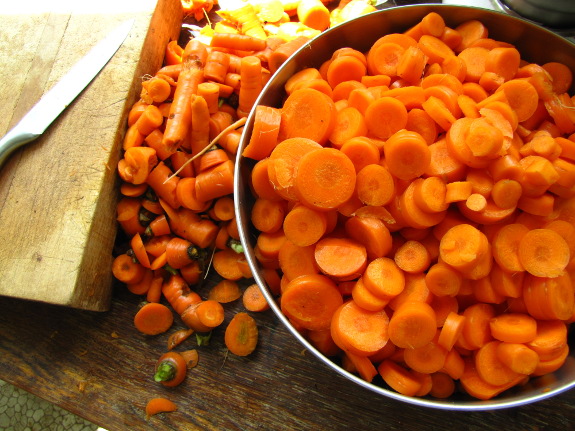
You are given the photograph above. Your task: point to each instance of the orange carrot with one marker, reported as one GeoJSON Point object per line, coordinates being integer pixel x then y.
{"type": "Point", "coordinates": [241, 335]}
{"type": "Point", "coordinates": [159, 405]}
{"type": "Point", "coordinates": [323, 193]}
{"type": "Point", "coordinates": [178, 337]}
{"type": "Point", "coordinates": [203, 316]}
{"type": "Point", "coordinates": [341, 258]}
{"type": "Point", "coordinates": [171, 369]}
{"type": "Point", "coordinates": [308, 113]}
{"type": "Point", "coordinates": [284, 51]}
{"type": "Point", "coordinates": [304, 226]}
{"type": "Point", "coordinates": [240, 42]}
{"type": "Point", "coordinates": [362, 339]}
{"type": "Point", "coordinates": [407, 154]}
{"type": "Point", "coordinates": [543, 253]}
{"type": "Point", "coordinates": [412, 257]}
{"type": "Point", "coordinates": [412, 325]}
{"type": "Point", "coordinates": [389, 108]}
{"type": "Point", "coordinates": [372, 233]}
{"type": "Point", "coordinates": [153, 319]}
{"type": "Point", "coordinates": [311, 308]}
{"type": "Point", "coordinates": [127, 270]}
{"type": "Point", "coordinates": [399, 378]}
{"type": "Point", "coordinates": [513, 328]}
{"type": "Point", "coordinates": [384, 278]}
{"type": "Point", "coordinates": [251, 84]}
{"type": "Point", "coordinates": [194, 57]}
{"type": "Point", "coordinates": [490, 368]}
{"type": "Point", "coordinates": [518, 357]}
{"type": "Point", "coordinates": [374, 185]}
{"type": "Point", "coordinates": [253, 299]}
{"type": "Point", "coordinates": [427, 359]}
{"type": "Point", "coordinates": [178, 294]}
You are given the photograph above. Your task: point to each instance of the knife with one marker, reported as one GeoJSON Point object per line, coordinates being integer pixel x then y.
{"type": "Point", "coordinates": [51, 105]}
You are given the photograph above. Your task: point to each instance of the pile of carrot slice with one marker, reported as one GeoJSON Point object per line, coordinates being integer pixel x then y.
{"type": "Point", "coordinates": [417, 203]}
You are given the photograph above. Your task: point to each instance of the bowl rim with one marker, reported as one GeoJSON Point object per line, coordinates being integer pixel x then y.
{"type": "Point", "coordinates": [240, 185]}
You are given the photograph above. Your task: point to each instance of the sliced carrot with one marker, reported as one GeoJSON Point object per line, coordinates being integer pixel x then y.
{"type": "Point", "coordinates": [372, 233]}
{"type": "Point", "coordinates": [412, 325]}
{"type": "Point", "coordinates": [333, 187]}
{"type": "Point", "coordinates": [341, 258]}
{"type": "Point", "coordinates": [225, 291]}
{"type": "Point", "coordinates": [451, 330]}
{"type": "Point", "coordinates": [391, 110]}
{"type": "Point", "coordinates": [513, 328]}
{"type": "Point", "coordinates": [549, 298]}
{"type": "Point", "coordinates": [427, 359]}
{"type": "Point", "coordinates": [308, 113]}
{"type": "Point", "coordinates": [374, 185]}
{"type": "Point", "coordinates": [159, 405]}
{"type": "Point", "coordinates": [476, 330]}
{"type": "Point", "coordinates": [127, 270]}
{"type": "Point", "coordinates": [443, 280]}
{"type": "Point", "coordinates": [384, 278]}
{"type": "Point", "coordinates": [359, 331]}
{"type": "Point", "coordinates": [304, 226]}
{"type": "Point", "coordinates": [407, 154]}
{"type": "Point", "coordinates": [311, 301]}
{"type": "Point", "coordinates": [490, 368]}
{"type": "Point", "coordinates": [399, 378]}
{"type": "Point", "coordinates": [543, 253]}
{"type": "Point", "coordinates": [253, 299]}
{"type": "Point", "coordinates": [363, 366]}
{"type": "Point", "coordinates": [153, 319]}
{"type": "Point", "coordinates": [203, 316]}
{"type": "Point", "coordinates": [518, 357]}
{"type": "Point", "coordinates": [241, 335]}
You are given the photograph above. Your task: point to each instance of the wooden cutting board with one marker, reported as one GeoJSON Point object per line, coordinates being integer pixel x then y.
{"type": "Point", "coordinates": [58, 194]}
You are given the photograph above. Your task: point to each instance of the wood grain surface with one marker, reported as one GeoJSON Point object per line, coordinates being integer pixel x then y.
{"type": "Point", "coordinates": [58, 194]}
{"type": "Point", "coordinates": [98, 366]}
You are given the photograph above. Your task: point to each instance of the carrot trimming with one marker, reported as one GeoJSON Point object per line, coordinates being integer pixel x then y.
{"type": "Point", "coordinates": [241, 334]}
{"type": "Point", "coordinates": [127, 270]}
{"type": "Point", "coordinates": [159, 405]}
{"type": "Point", "coordinates": [153, 319]}
{"type": "Point", "coordinates": [253, 299]}
{"type": "Point", "coordinates": [141, 287]}
{"type": "Point", "coordinates": [203, 316]}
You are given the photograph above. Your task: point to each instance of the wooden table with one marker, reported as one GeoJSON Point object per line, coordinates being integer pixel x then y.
{"type": "Point", "coordinates": [99, 367]}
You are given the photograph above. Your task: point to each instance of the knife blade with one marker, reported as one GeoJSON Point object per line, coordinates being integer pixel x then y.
{"type": "Point", "coordinates": [57, 99]}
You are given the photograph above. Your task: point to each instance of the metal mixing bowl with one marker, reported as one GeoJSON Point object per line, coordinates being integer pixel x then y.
{"type": "Point", "coordinates": [536, 45]}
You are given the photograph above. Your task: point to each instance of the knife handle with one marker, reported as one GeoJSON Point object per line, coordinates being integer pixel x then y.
{"type": "Point", "coordinates": [12, 140]}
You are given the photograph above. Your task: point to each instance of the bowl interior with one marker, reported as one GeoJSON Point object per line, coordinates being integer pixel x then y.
{"type": "Point", "coordinates": [535, 43]}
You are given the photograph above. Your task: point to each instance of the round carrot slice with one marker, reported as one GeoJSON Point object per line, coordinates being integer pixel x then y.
{"type": "Point", "coordinates": [359, 331]}
{"type": "Point", "coordinates": [324, 179]}
{"type": "Point", "coordinates": [311, 300]}
{"type": "Point", "coordinates": [543, 253]}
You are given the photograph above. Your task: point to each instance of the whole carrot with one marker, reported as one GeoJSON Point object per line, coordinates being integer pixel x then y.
{"type": "Point", "coordinates": [178, 122]}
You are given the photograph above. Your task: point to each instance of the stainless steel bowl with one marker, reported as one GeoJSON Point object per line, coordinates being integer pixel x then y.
{"type": "Point", "coordinates": [536, 45]}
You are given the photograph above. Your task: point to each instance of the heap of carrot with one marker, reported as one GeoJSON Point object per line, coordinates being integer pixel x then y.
{"type": "Point", "coordinates": [418, 203]}
{"type": "Point", "coordinates": [176, 207]}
